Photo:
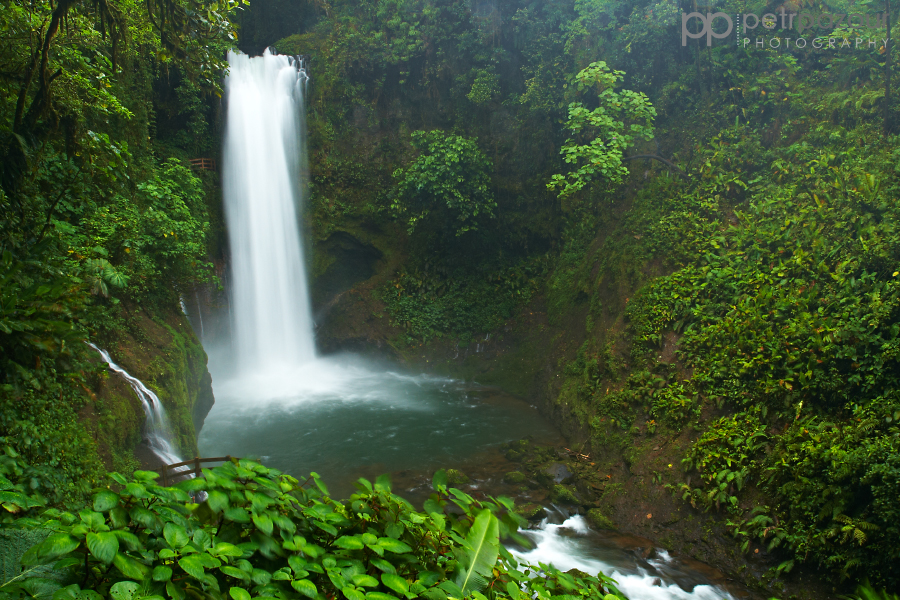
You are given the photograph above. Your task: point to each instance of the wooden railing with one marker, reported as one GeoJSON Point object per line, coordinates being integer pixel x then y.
{"type": "Point", "coordinates": [206, 164]}
{"type": "Point", "coordinates": [169, 474]}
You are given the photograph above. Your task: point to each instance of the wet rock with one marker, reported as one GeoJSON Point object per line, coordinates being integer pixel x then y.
{"type": "Point", "coordinates": [554, 474]}
{"type": "Point", "coordinates": [599, 520]}
{"type": "Point", "coordinates": [515, 455]}
{"type": "Point", "coordinates": [585, 489]}
{"type": "Point", "coordinates": [514, 477]}
{"type": "Point", "coordinates": [455, 477]}
{"type": "Point", "coordinates": [532, 512]}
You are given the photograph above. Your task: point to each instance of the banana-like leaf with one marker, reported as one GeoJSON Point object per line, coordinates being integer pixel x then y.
{"type": "Point", "coordinates": [482, 546]}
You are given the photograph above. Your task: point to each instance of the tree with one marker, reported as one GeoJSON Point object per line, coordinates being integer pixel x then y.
{"type": "Point", "coordinates": [600, 136]}
{"type": "Point", "coordinates": [446, 186]}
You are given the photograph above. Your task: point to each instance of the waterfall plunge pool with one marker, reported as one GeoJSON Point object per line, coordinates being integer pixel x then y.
{"type": "Point", "coordinates": [344, 418]}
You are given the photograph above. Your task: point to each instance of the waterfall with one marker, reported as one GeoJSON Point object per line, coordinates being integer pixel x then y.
{"type": "Point", "coordinates": [156, 427]}
{"type": "Point", "coordinates": [264, 188]}
{"type": "Point", "coordinates": [199, 314]}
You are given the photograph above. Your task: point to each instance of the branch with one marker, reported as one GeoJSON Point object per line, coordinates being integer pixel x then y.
{"type": "Point", "coordinates": [660, 159]}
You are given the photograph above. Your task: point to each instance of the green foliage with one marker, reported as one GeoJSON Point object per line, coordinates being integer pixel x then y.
{"type": "Point", "coordinates": [260, 533]}
{"type": "Point", "coordinates": [484, 88]}
{"type": "Point", "coordinates": [790, 322]}
{"type": "Point", "coordinates": [434, 303]}
{"type": "Point", "coordinates": [602, 135]}
{"type": "Point", "coordinates": [867, 592]}
{"type": "Point", "coordinates": [447, 188]}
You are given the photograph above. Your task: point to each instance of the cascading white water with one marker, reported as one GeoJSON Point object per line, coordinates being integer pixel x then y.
{"type": "Point", "coordinates": [564, 545]}
{"type": "Point", "coordinates": [156, 427]}
{"type": "Point", "coordinates": [264, 188]}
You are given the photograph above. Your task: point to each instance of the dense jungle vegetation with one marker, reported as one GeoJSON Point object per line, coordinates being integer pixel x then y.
{"type": "Point", "coordinates": [497, 152]}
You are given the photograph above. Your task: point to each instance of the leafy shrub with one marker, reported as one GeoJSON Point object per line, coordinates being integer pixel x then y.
{"type": "Point", "coordinates": [260, 533]}
{"type": "Point", "coordinates": [447, 188]}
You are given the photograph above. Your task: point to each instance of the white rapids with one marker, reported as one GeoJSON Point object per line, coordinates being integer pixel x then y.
{"type": "Point", "coordinates": [565, 546]}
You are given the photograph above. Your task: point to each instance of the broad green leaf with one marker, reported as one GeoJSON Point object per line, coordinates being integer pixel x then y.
{"type": "Point", "coordinates": [129, 567]}
{"type": "Point", "coordinates": [192, 565]}
{"type": "Point", "coordinates": [379, 596]}
{"type": "Point", "coordinates": [237, 514]}
{"type": "Point", "coordinates": [296, 563]}
{"type": "Point", "coordinates": [57, 545]}
{"type": "Point", "coordinates": [239, 593]}
{"type": "Point", "coordinates": [124, 590]}
{"type": "Point", "coordinates": [218, 501]}
{"type": "Point", "coordinates": [118, 517]}
{"type": "Point", "coordinates": [326, 527]}
{"type": "Point", "coordinates": [395, 546]}
{"type": "Point", "coordinates": [137, 490]}
{"type": "Point", "coordinates": [174, 590]}
{"type": "Point", "coordinates": [349, 543]}
{"type": "Point", "coordinates": [175, 535]}
{"type": "Point", "coordinates": [105, 500]}
{"type": "Point", "coordinates": [351, 593]}
{"type": "Point", "coordinates": [305, 587]}
{"type": "Point", "coordinates": [395, 582]}
{"type": "Point", "coordinates": [226, 549]}
{"type": "Point", "coordinates": [383, 565]}
{"type": "Point", "coordinates": [451, 588]}
{"type": "Point", "coordinates": [260, 577]}
{"type": "Point", "coordinates": [103, 545]}
{"type": "Point", "coordinates": [365, 581]}
{"type": "Point", "coordinates": [439, 481]}
{"type": "Point", "coordinates": [482, 546]}
{"type": "Point", "coordinates": [131, 541]}
{"type": "Point", "coordinates": [383, 483]}
{"type": "Point", "coordinates": [263, 523]}
{"type": "Point", "coordinates": [394, 530]}
{"type": "Point", "coordinates": [141, 515]}
{"type": "Point", "coordinates": [162, 573]}
{"type": "Point", "coordinates": [235, 572]}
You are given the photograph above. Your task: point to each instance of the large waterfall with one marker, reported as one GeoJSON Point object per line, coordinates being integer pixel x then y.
{"type": "Point", "coordinates": [264, 187]}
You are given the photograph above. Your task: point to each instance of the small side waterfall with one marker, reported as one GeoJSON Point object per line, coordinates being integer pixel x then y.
{"type": "Point", "coordinates": [156, 428]}
{"type": "Point", "coordinates": [199, 315]}
{"type": "Point", "coordinates": [264, 188]}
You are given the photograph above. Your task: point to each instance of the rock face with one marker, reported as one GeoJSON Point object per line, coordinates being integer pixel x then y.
{"type": "Point", "coordinates": [162, 351]}
{"type": "Point", "coordinates": [557, 473]}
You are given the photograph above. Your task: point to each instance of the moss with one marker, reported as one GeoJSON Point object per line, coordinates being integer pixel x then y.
{"type": "Point", "coordinates": [515, 455]}
{"type": "Point", "coordinates": [455, 477]}
{"type": "Point", "coordinates": [532, 512]}
{"type": "Point", "coordinates": [514, 477]}
{"type": "Point", "coordinates": [561, 493]}
{"type": "Point", "coordinates": [599, 520]}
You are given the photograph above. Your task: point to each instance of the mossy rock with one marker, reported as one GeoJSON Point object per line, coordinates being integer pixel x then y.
{"type": "Point", "coordinates": [532, 512]}
{"type": "Point", "coordinates": [561, 493]}
{"type": "Point", "coordinates": [514, 477]}
{"type": "Point", "coordinates": [520, 445]}
{"type": "Point", "coordinates": [599, 520]}
{"type": "Point", "coordinates": [455, 477]}
{"type": "Point", "coordinates": [515, 455]}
